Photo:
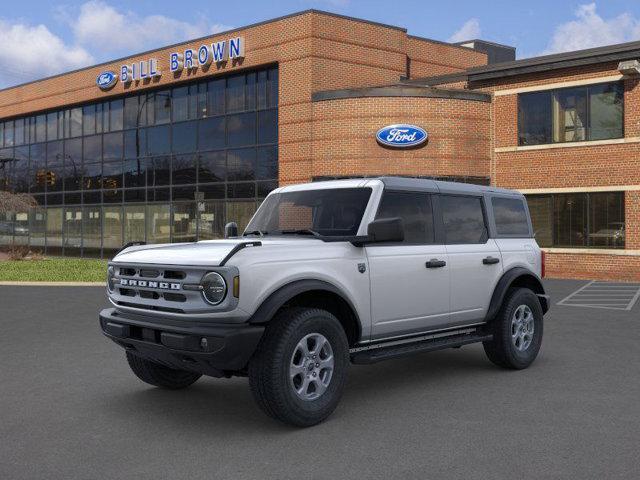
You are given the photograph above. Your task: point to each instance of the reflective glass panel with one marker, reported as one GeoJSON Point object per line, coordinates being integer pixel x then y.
{"type": "Point", "coordinates": [184, 222]}
{"type": "Point", "coordinates": [112, 228]}
{"type": "Point", "coordinates": [134, 223]}
{"type": "Point", "coordinates": [158, 223]}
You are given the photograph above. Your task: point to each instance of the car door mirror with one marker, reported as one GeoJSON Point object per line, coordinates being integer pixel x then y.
{"type": "Point", "coordinates": [231, 230]}
{"type": "Point", "coordinates": [385, 230]}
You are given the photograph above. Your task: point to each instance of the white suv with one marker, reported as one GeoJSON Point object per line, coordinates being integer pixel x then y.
{"type": "Point", "coordinates": [327, 274]}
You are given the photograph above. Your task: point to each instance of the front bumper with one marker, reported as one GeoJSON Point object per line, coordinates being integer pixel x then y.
{"type": "Point", "coordinates": [215, 350]}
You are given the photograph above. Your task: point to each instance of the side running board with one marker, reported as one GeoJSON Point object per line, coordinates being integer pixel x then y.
{"type": "Point", "coordinates": [427, 343]}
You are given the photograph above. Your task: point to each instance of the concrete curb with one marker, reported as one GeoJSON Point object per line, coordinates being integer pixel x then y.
{"type": "Point", "coordinates": [54, 284]}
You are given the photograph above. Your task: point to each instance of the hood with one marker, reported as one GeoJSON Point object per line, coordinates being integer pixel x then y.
{"type": "Point", "coordinates": [205, 253]}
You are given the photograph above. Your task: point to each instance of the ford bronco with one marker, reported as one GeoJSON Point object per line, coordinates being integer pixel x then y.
{"type": "Point", "coordinates": [327, 274]}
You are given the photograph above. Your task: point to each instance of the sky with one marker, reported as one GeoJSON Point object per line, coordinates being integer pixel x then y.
{"type": "Point", "coordinates": [39, 38]}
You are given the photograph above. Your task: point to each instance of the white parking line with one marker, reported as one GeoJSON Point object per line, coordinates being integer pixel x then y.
{"type": "Point", "coordinates": [634, 300]}
{"type": "Point", "coordinates": [612, 296]}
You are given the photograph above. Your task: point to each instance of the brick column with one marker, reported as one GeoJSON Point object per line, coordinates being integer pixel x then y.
{"type": "Point", "coordinates": [632, 219]}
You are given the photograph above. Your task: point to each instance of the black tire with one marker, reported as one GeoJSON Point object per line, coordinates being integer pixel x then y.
{"type": "Point", "coordinates": [501, 350]}
{"type": "Point", "coordinates": [159, 375]}
{"type": "Point", "coordinates": [269, 368]}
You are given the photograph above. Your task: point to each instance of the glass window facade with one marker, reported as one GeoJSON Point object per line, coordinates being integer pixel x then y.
{"type": "Point", "coordinates": [594, 112]}
{"type": "Point", "coordinates": [161, 166]}
{"type": "Point", "coordinates": [578, 220]}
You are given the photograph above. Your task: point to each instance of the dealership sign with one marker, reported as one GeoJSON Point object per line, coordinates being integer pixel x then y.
{"type": "Point", "coordinates": [106, 80]}
{"type": "Point", "coordinates": [401, 136]}
{"type": "Point", "coordinates": [189, 59]}
{"type": "Point", "coordinates": [216, 52]}
{"type": "Point", "coordinates": [146, 69]}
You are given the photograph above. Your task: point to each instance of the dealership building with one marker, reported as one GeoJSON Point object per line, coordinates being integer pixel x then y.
{"type": "Point", "coordinates": [169, 145]}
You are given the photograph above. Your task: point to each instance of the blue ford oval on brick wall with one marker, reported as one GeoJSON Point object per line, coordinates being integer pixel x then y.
{"type": "Point", "coordinates": [401, 136]}
{"type": "Point", "coordinates": [106, 80]}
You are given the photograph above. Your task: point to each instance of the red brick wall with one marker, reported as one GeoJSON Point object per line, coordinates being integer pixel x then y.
{"type": "Point", "coordinates": [577, 167]}
{"type": "Point", "coordinates": [593, 266]}
{"type": "Point", "coordinates": [314, 51]}
{"type": "Point", "coordinates": [632, 217]}
{"type": "Point", "coordinates": [430, 58]}
{"type": "Point", "coordinates": [344, 137]}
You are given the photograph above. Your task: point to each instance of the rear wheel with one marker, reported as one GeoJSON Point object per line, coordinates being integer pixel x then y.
{"type": "Point", "coordinates": [517, 330]}
{"type": "Point", "coordinates": [298, 372]}
{"type": "Point", "coordinates": [159, 375]}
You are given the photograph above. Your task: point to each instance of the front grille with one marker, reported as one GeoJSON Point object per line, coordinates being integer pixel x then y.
{"type": "Point", "coordinates": [174, 297]}
{"type": "Point", "coordinates": [160, 289]}
{"type": "Point", "coordinates": [174, 275]}
{"type": "Point", "coordinates": [148, 294]}
{"type": "Point", "coordinates": [146, 273]}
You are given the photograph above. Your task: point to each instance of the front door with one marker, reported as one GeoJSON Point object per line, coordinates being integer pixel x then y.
{"type": "Point", "coordinates": [410, 279]}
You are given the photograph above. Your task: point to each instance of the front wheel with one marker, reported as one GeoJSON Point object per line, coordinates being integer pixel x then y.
{"type": "Point", "coordinates": [517, 330]}
{"type": "Point", "coordinates": [298, 372]}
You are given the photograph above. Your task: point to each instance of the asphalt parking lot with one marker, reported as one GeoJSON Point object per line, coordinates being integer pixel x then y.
{"type": "Point", "coordinates": [70, 408]}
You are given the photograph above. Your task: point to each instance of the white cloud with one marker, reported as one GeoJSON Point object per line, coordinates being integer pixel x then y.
{"type": "Point", "coordinates": [469, 31]}
{"type": "Point", "coordinates": [98, 33]}
{"type": "Point", "coordinates": [104, 29]}
{"type": "Point", "coordinates": [591, 30]}
{"type": "Point", "coordinates": [28, 52]}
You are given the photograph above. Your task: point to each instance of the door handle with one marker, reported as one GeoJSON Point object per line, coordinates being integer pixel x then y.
{"type": "Point", "coordinates": [490, 260]}
{"type": "Point", "coordinates": [435, 263]}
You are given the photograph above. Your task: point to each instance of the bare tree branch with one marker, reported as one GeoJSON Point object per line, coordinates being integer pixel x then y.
{"type": "Point", "coordinates": [16, 202]}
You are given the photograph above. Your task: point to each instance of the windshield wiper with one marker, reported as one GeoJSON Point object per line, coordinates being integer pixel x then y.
{"type": "Point", "coordinates": [255, 232]}
{"type": "Point", "coordinates": [300, 231]}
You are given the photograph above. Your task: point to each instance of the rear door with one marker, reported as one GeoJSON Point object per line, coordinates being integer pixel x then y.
{"type": "Point", "coordinates": [474, 258]}
{"type": "Point", "coordinates": [409, 279]}
{"type": "Point", "coordinates": [514, 233]}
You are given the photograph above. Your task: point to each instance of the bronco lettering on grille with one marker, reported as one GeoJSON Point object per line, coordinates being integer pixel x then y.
{"type": "Point", "coordinates": [128, 282]}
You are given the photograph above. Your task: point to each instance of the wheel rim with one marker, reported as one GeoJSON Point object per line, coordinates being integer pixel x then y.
{"type": "Point", "coordinates": [311, 367]}
{"type": "Point", "coordinates": [522, 327]}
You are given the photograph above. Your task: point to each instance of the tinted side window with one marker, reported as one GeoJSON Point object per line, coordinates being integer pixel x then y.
{"type": "Point", "coordinates": [463, 219]}
{"type": "Point", "coordinates": [511, 216]}
{"type": "Point", "coordinates": [415, 211]}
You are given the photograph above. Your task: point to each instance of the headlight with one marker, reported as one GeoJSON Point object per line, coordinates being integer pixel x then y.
{"type": "Point", "coordinates": [214, 288]}
{"type": "Point", "coordinates": [111, 272]}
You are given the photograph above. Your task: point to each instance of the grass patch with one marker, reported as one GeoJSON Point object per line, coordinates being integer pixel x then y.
{"type": "Point", "coordinates": [53, 270]}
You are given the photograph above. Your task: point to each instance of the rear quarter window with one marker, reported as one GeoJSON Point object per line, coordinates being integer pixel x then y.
{"type": "Point", "coordinates": [510, 215]}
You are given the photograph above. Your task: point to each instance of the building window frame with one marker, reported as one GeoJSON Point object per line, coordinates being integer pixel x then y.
{"type": "Point", "coordinates": [554, 94]}
{"type": "Point", "coordinates": [589, 237]}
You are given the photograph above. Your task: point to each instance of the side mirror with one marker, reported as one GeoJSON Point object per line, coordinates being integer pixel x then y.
{"type": "Point", "coordinates": [231, 230]}
{"type": "Point", "coordinates": [386, 230]}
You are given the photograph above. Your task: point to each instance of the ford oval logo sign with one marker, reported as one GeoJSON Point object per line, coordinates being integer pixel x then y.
{"type": "Point", "coordinates": [106, 80]}
{"type": "Point", "coordinates": [401, 136]}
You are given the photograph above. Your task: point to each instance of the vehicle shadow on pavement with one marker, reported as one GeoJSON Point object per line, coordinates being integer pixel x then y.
{"type": "Point", "coordinates": [228, 404]}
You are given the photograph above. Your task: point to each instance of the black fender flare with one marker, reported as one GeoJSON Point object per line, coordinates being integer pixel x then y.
{"type": "Point", "coordinates": [282, 295]}
{"type": "Point", "coordinates": [529, 279]}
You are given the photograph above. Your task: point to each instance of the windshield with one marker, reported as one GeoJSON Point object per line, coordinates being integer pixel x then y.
{"type": "Point", "coordinates": [324, 212]}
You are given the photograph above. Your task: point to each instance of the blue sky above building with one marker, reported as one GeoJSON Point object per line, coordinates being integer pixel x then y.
{"type": "Point", "coordinates": [39, 38]}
